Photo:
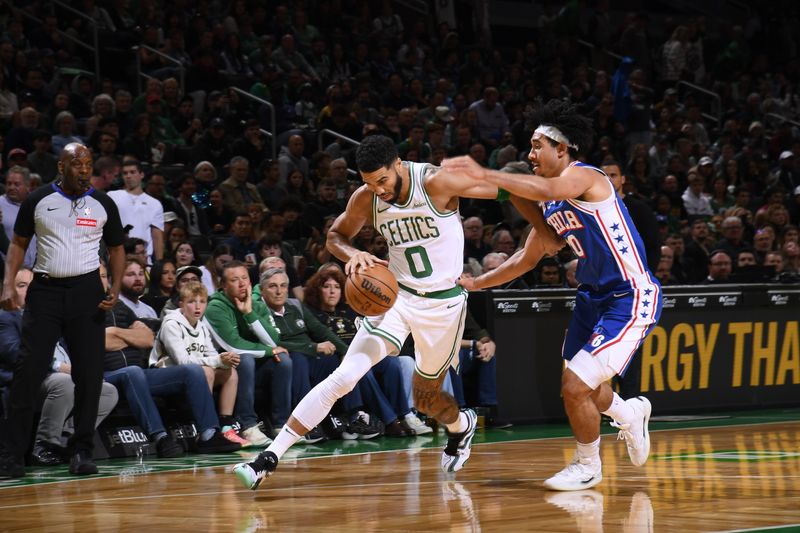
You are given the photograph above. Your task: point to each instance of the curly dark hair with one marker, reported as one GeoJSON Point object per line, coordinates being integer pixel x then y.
{"type": "Point", "coordinates": [311, 295]}
{"type": "Point", "coordinates": [564, 116]}
{"type": "Point", "coordinates": [375, 152]}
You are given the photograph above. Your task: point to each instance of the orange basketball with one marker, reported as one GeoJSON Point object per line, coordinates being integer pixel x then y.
{"type": "Point", "coordinates": [371, 291]}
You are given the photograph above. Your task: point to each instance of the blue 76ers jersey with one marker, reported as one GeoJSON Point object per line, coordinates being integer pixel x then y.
{"type": "Point", "coordinates": [611, 254]}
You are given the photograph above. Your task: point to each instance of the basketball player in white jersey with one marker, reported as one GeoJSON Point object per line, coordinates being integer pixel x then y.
{"type": "Point", "coordinates": [415, 207]}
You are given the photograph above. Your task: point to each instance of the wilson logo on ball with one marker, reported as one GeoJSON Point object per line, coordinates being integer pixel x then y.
{"type": "Point", "coordinates": [374, 289]}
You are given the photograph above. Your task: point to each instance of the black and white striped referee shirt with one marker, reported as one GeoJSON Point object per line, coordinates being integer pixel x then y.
{"type": "Point", "coordinates": [68, 230]}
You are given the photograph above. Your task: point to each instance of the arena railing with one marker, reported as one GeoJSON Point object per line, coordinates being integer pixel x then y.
{"type": "Point", "coordinates": [95, 49]}
{"type": "Point", "coordinates": [139, 74]}
{"type": "Point", "coordinates": [351, 174]}
{"type": "Point", "coordinates": [717, 109]}
{"type": "Point", "coordinates": [272, 133]}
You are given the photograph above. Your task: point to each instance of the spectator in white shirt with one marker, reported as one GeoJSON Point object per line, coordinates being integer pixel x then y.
{"type": "Point", "coordinates": [139, 210]}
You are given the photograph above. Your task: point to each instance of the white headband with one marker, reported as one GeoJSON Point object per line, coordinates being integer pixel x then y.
{"type": "Point", "coordinates": [554, 133]}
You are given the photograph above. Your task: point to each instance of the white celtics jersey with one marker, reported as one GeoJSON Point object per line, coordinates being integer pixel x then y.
{"type": "Point", "coordinates": [426, 247]}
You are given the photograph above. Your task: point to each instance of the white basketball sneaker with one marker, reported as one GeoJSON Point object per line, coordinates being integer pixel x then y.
{"type": "Point", "coordinates": [636, 433]}
{"type": "Point", "coordinates": [581, 473]}
{"type": "Point", "coordinates": [459, 446]}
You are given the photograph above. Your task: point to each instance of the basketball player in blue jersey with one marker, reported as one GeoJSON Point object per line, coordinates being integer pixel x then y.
{"type": "Point", "coordinates": [415, 207]}
{"type": "Point", "coordinates": [618, 300]}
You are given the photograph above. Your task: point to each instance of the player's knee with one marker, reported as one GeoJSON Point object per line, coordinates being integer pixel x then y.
{"type": "Point", "coordinates": [341, 382]}
{"type": "Point", "coordinates": [573, 387]}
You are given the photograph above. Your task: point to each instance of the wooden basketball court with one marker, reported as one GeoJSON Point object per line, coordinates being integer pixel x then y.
{"type": "Point", "coordinates": [722, 474]}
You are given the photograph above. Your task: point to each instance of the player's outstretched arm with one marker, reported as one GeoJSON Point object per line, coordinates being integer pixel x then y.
{"type": "Point", "coordinates": [346, 226]}
{"type": "Point", "coordinates": [522, 261]}
{"type": "Point", "coordinates": [551, 241]}
{"type": "Point", "coordinates": [440, 182]}
{"type": "Point", "coordinates": [572, 183]}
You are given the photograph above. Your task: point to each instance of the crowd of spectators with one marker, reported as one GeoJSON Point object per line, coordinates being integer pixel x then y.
{"type": "Point", "coordinates": [188, 157]}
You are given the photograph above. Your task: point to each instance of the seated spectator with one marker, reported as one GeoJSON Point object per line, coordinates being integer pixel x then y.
{"type": "Point", "coordinates": [162, 285]}
{"type": "Point", "coordinates": [183, 276]}
{"type": "Point", "coordinates": [382, 387]}
{"type": "Point", "coordinates": [41, 160]}
{"type": "Point", "coordinates": [236, 191]}
{"type": "Point", "coordinates": [219, 216]}
{"type": "Point", "coordinates": [291, 157]}
{"type": "Point", "coordinates": [174, 233]}
{"type": "Point", "coordinates": [242, 324]}
{"type": "Point", "coordinates": [695, 201]}
{"type": "Point", "coordinates": [570, 270]}
{"type": "Point", "coordinates": [732, 237]}
{"type": "Point", "coordinates": [64, 126]}
{"type": "Point", "coordinates": [746, 258]}
{"type": "Point", "coordinates": [475, 382]}
{"type": "Point", "coordinates": [268, 178]}
{"type": "Point", "coordinates": [493, 260]}
{"type": "Point", "coordinates": [193, 217]}
{"type": "Point", "coordinates": [719, 269]}
{"type": "Point", "coordinates": [243, 246]}
{"type": "Point", "coordinates": [310, 344]}
{"type": "Point", "coordinates": [549, 273]}
{"type": "Point", "coordinates": [763, 242]}
{"type": "Point", "coordinates": [132, 289]}
{"type": "Point", "coordinates": [212, 269]}
{"type": "Point", "coordinates": [791, 257]}
{"type": "Point", "coordinates": [474, 245]}
{"type": "Point", "coordinates": [326, 204]}
{"type": "Point", "coordinates": [184, 340]}
{"type": "Point", "coordinates": [57, 389]}
{"type": "Point", "coordinates": [125, 367]}
{"type": "Point", "coordinates": [695, 254]}
{"type": "Point", "coordinates": [272, 246]}
{"type": "Point", "coordinates": [185, 255]}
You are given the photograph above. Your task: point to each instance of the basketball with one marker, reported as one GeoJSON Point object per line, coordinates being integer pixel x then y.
{"type": "Point", "coordinates": [371, 291]}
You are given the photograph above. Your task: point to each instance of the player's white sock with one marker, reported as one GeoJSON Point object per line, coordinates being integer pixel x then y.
{"type": "Point", "coordinates": [460, 425]}
{"type": "Point", "coordinates": [589, 450]}
{"type": "Point", "coordinates": [283, 441]}
{"type": "Point", "coordinates": [619, 410]}
{"type": "Point", "coordinates": [318, 402]}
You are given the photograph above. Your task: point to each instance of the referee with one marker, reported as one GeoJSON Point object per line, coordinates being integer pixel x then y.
{"type": "Point", "coordinates": [66, 299]}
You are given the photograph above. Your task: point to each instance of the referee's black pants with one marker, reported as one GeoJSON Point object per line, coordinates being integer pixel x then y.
{"type": "Point", "coordinates": [56, 308]}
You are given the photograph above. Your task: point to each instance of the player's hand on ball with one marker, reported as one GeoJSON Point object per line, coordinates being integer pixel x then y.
{"type": "Point", "coordinates": [465, 166]}
{"type": "Point", "coordinates": [362, 260]}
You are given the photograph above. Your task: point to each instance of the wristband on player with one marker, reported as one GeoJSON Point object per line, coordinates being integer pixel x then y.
{"type": "Point", "coordinates": [502, 195]}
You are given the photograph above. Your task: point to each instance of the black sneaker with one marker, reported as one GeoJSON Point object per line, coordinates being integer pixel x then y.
{"type": "Point", "coordinates": [167, 448]}
{"type": "Point", "coordinates": [314, 436]}
{"type": "Point", "coordinates": [11, 466]}
{"type": "Point", "coordinates": [45, 454]}
{"type": "Point", "coordinates": [217, 444]}
{"type": "Point", "coordinates": [333, 426]}
{"type": "Point", "coordinates": [493, 421]}
{"type": "Point", "coordinates": [396, 429]}
{"type": "Point", "coordinates": [361, 428]}
{"type": "Point", "coordinates": [82, 464]}
{"type": "Point", "coordinates": [251, 474]}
